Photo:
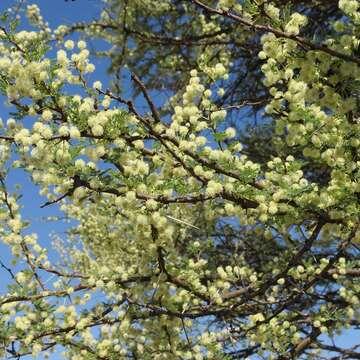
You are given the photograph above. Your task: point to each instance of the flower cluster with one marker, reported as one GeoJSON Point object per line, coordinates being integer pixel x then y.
{"type": "Point", "coordinates": [184, 239]}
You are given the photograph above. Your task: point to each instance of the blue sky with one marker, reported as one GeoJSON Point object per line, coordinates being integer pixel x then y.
{"type": "Point", "coordinates": [58, 12]}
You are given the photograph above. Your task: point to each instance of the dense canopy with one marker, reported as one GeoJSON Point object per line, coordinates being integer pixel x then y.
{"type": "Point", "coordinates": [208, 184]}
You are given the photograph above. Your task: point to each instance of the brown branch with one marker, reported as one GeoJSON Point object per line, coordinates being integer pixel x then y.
{"type": "Point", "coordinates": [345, 353]}
{"type": "Point", "coordinates": [303, 345]}
{"type": "Point", "coordinates": [7, 138]}
{"type": "Point", "coordinates": [266, 28]}
{"type": "Point", "coordinates": [52, 202]}
{"type": "Point", "coordinates": [10, 40]}
{"type": "Point", "coordinates": [148, 99]}
{"type": "Point", "coordinates": [273, 280]}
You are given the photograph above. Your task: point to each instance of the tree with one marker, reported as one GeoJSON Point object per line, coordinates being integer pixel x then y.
{"type": "Point", "coordinates": [220, 223]}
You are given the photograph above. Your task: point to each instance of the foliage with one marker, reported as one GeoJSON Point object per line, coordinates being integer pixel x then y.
{"type": "Point", "coordinates": [191, 234]}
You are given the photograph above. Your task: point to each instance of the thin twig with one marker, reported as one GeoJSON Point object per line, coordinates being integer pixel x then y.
{"type": "Point", "coordinates": [266, 28]}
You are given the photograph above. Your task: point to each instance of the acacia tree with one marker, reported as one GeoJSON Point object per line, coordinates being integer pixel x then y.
{"type": "Point", "coordinates": [190, 235]}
